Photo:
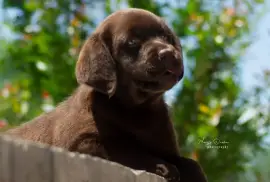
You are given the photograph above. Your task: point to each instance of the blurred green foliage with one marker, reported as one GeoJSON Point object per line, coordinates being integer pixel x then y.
{"type": "Point", "coordinates": [37, 72]}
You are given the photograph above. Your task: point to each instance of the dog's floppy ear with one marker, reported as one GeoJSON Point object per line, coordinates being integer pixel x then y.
{"type": "Point", "coordinates": [95, 66]}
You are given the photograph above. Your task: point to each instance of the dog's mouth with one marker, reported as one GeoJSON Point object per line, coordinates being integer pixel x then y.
{"type": "Point", "coordinates": [147, 85]}
{"type": "Point", "coordinates": [161, 84]}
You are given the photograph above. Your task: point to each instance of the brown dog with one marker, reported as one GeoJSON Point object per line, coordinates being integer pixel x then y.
{"type": "Point", "coordinates": [118, 112]}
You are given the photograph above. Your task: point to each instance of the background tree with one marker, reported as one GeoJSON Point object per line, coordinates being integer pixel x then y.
{"type": "Point", "coordinates": [257, 169]}
{"type": "Point", "coordinates": [37, 71]}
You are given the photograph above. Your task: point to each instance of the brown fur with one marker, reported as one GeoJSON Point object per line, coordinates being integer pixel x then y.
{"type": "Point", "coordinates": [115, 113]}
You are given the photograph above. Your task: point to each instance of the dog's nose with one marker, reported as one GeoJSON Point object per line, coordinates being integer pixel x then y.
{"type": "Point", "coordinates": [166, 54]}
{"type": "Point", "coordinates": [171, 62]}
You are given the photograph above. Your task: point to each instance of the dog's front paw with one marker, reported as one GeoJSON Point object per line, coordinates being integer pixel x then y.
{"type": "Point", "coordinates": [169, 172]}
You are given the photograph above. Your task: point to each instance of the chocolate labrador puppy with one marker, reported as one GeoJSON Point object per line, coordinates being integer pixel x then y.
{"type": "Point", "coordinates": [118, 112]}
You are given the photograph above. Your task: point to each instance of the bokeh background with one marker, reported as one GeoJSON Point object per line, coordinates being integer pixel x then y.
{"type": "Point", "coordinates": [224, 97]}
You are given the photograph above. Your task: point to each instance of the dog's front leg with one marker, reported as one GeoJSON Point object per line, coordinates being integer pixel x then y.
{"type": "Point", "coordinates": [137, 158]}
{"type": "Point", "coordinates": [190, 170]}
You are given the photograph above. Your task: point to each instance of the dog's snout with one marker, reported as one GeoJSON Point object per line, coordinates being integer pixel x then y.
{"type": "Point", "coordinates": [166, 54]}
{"type": "Point", "coordinates": [171, 61]}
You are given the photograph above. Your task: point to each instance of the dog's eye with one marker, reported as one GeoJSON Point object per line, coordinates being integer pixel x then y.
{"type": "Point", "coordinates": [164, 37]}
{"type": "Point", "coordinates": [169, 39]}
{"type": "Point", "coordinates": [133, 43]}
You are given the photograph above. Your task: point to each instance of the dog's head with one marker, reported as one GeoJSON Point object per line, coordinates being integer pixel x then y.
{"type": "Point", "coordinates": [132, 51]}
